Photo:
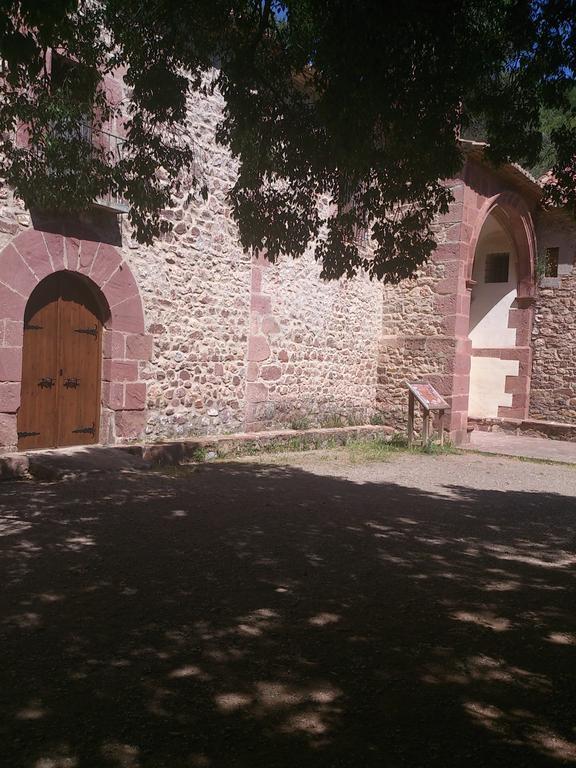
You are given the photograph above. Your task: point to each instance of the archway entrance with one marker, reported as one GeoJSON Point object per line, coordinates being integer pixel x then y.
{"type": "Point", "coordinates": [61, 362]}
{"type": "Point", "coordinates": [500, 324]}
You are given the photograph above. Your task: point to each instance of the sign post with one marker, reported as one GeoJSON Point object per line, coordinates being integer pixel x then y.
{"type": "Point", "coordinates": [430, 400]}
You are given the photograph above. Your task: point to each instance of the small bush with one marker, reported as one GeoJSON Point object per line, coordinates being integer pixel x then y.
{"type": "Point", "coordinates": [399, 440]}
{"type": "Point", "coordinates": [198, 455]}
{"type": "Point", "coordinates": [300, 423]}
{"type": "Point", "coordinates": [356, 419]}
{"type": "Point", "coordinates": [332, 421]}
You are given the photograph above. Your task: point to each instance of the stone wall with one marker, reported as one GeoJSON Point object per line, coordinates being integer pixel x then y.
{"type": "Point", "coordinates": [237, 342]}
{"type": "Point", "coordinates": [426, 322]}
{"type": "Point", "coordinates": [419, 320]}
{"type": "Point", "coordinates": [553, 390]}
{"type": "Point", "coordinates": [313, 346]}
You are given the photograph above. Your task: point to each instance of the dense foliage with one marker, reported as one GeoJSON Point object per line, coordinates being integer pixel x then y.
{"type": "Point", "coordinates": [357, 101]}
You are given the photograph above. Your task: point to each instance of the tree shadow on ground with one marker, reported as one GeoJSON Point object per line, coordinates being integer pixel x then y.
{"type": "Point", "coordinates": [251, 615]}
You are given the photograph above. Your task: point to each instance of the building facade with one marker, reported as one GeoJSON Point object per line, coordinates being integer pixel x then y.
{"type": "Point", "coordinates": [105, 340]}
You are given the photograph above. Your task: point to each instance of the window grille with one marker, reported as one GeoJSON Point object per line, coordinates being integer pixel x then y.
{"type": "Point", "coordinates": [497, 268]}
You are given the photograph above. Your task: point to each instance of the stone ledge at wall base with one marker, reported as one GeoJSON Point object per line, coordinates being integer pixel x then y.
{"type": "Point", "coordinates": [74, 463]}
{"type": "Point", "coordinates": [554, 430]}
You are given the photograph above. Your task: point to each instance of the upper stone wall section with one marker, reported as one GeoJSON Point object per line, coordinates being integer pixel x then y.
{"type": "Point", "coordinates": [237, 342]}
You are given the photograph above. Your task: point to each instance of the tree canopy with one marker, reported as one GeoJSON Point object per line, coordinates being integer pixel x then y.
{"type": "Point", "coordinates": [356, 101]}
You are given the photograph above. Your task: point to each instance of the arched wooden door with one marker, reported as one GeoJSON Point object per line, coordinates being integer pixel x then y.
{"type": "Point", "coordinates": [60, 394]}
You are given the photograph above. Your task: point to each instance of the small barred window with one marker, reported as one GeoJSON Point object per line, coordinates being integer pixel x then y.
{"type": "Point", "coordinates": [497, 267]}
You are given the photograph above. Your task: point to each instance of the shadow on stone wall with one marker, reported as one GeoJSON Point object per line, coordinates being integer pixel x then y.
{"type": "Point", "coordinates": [249, 615]}
{"type": "Point", "coordinates": [98, 225]}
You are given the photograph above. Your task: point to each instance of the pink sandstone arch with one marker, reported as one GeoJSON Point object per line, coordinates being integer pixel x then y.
{"type": "Point", "coordinates": [24, 262]}
{"type": "Point", "coordinates": [479, 193]}
{"type": "Point", "coordinates": [513, 214]}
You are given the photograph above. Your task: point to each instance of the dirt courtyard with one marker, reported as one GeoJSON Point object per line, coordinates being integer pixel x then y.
{"type": "Point", "coordinates": [291, 611]}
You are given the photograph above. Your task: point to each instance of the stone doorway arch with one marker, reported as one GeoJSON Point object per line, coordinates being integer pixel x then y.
{"type": "Point", "coordinates": [24, 262]}
{"type": "Point", "coordinates": [500, 308]}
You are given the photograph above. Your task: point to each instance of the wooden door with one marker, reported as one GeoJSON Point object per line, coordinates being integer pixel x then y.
{"type": "Point", "coordinates": [37, 424]}
{"type": "Point", "coordinates": [80, 334]}
{"type": "Point", "coordinates": [60, 402]}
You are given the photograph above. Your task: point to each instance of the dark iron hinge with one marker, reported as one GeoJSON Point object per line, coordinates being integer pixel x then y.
{"type": "Point", "coordinates": [30, 327]}
{"type": "Point", "coordinates": [70, 383]}
{"type": "Point", "coordinates": [85, 430]}
{"type": "Point", "coordinates": [89, 331]}
{"type": "Point", "coordinates": [46, 383]}
{"type": "Point", "coordinates": [28, 434]}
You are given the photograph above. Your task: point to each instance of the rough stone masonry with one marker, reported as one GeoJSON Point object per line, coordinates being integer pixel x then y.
{"type": "Point", "coordinates": [203, 338]}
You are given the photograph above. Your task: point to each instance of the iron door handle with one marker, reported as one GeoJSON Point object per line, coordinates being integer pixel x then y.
{"type": "Point", "coordinates": [47, 382]}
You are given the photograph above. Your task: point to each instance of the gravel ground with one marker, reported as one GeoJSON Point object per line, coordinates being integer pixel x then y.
{"type": "Point", "coordinates": [291, 611]}
{"type": "Point", "coordinates": [436, 474]}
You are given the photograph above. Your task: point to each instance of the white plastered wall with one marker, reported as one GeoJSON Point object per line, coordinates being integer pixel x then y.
{"type": "Point", "coordinates": [487, 384]}
{"type": "Point", "coordinates": [489, 318]}
{"type": "Point", "coordinates": [491, 302]}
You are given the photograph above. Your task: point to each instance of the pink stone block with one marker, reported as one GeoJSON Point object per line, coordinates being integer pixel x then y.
{"type": "Point", "coordinates": [120, 370]}
{"type": "Point", "coordinates": [13, 333]}
{"type": "Point", "coordinates": [461, 384]}
{"type": "Point", "coordinates": [457, 325]}
{"type": "Point", "coordinates": [9, 397]}
{"type": "Point", "coordinates": [256, 279]}
{"type": "Point", "coordinates": [459, 402]}
{"type": "Point", "coordinates": [515, 385]}
{"type": "Point", "coordinates": [283, 356]}
{"type": "Point", "coordinates": [116, 396]}
{"type": "Point", "coordinates": [256, 393]}
{"type": "Point", "coordinates": [446, 304]}
{"type": "Point", "coordinates": [261, 304]}
{"type": "Point", "coordinates": [10, 363]}
{"type": "Point", "coordinates": [113, 395]}
{"type": "Point", "coordinates": [454, 233]}
{"type": "Point", "coordinates": [450, 283]}
{"type": "Point", "coordinates": [139, 346]}
{"type": "Point", "coordinates": [118, 345]}
{"type": "Point", "coordinates": [454, 215]}
{"type": "Point", "coordinates": [88, 249]}
{"type": "Point", "coordinates": [446, 252]}
{"type": "Point", "coordinates": [271, 373]}
{"type": "Point", "coordinates": [72, 250]}
{"type": "Point", "coordinates": [55, 245]}
{"type": "Point", "coordinates": [130, 424]}
{"type": "Point", "coordinates": [270, 326]}
{"type": "Point", "coordinates": [8, 434]}
{"type": "Point", "coordinates": [106, 261]}
{"type": "Point", "coordinates": [15, 273]}
{"type": "Point", "coordinates": [258, 348]}
{"type": "Point", "coordinates": [462, 364]}
{"type": "Point", "coordinates": [120, 286]}
{"type": "Point", "coordinates": [260, 259]}
{"type": "Point", "coordinates": [32, 247]}
{"type": "Point", "coordinates": [128, 316]}
{"type": "Point", "coordinates": [38, 259]}
{"type": "Point", "coordinates": [135, 396]}
{"type": "Point", "coordinates": [253, 371]}
{"type": "Point", "coordinates": [12, 305]}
